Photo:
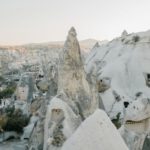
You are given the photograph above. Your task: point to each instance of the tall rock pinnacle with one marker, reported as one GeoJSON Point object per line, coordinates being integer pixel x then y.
{"type": "Point", "coordinates": [75, 99]}
{"type": "Point", "coordinates": [72, 50]}
{"type": "Point", "coordinates": [72, 78]}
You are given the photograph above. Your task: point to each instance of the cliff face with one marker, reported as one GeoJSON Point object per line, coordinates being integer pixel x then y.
{"type": "Point", "coordinates": [123, 68]}
{"type": "Point", "coordinates": [123, 76]}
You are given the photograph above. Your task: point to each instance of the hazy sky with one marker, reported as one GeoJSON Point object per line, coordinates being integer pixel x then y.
{"type": "Point", "coordinates": [25, 21]}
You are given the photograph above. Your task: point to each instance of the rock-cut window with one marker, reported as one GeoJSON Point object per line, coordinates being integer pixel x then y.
{"type": "Point", "coordinates": [148, 77]}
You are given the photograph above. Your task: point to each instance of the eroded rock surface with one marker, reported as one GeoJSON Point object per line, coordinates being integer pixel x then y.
{"type": "Point", "coordinates": [75, 98]}
{"type": "Point", "coordinates": [72, 77]}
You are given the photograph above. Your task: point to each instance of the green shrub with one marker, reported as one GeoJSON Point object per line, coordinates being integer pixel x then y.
{"type": "Point", "coordinates": [16, 123]}
{"type": "Point", "coordinates": [6, 93]}
{"type": "Point", "coordinates": [9, 110]}
{"type": "Point", "coordinates": [16, 120]}
{"type": "Point", "coordinates": [116, 121]}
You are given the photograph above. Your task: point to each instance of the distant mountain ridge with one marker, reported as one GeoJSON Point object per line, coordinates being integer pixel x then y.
{"type": "Point", "coordinates": [85, 44]}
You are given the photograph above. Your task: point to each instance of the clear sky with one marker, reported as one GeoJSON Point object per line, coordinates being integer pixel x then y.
{"type": "Point", "coordinates": [26, 21]}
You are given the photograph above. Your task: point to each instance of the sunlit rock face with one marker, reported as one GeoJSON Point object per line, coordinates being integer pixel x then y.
{"type": "Point", "coordinates": [72, 78]}
{"type": "Point", "coordinates": [124, 62]}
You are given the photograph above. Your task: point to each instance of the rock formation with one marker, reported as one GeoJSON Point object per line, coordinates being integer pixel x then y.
{"type": "Point", "coordinates": [74, 100]}
{"type": "Point", "coordinates": [60, 124]}
{"type": "Point", "coordinates": [36, 139]}
{"type": "Point", "coordinates": [123, 70]}
{"type": "Point", "coordinates": [72, 78]}
{"type": "Point", "coordinates": [96, 132]}
{"type": "Point", "coordinates": [137, 123]}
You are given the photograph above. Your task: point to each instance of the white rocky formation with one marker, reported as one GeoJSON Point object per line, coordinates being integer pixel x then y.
{"type": "Point", "coordinates": [38, 109]}
{"type": "Point", "coordinates": [125, 62]}
{"type": "Point", "coordinates": [29, 129]}
{"type": "Point", "coordinates": [72, 78]}
{"type": "Point", "coordinates": [96, 132]}
{"type": "Point", "coordinates": [74, 101]}
{"type": "Point", "coordinates": [60, 124]}
{"type": "Point", "coordinates": [18, 57]}
{"type": "Point", "coordinates": [137, 123]}
{"type": "Point", "coordinates": [126, 65]}
{"type": "Point", "coordinates": [137, 116]}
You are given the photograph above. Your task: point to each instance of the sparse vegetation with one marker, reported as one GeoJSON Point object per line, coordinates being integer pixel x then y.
{"type": "Point", "coordinates": [59, 137]}
{"type": "Point", "coordinates": [116, 121]}
{"type": "Point", "coordinates": [16, 120]}
{"type": "Point", "coordinates": [9, 87]}
{"type": "Point", "coordinates": [6, 93]}
{"type": "Point", "coordinates": [1, 79]}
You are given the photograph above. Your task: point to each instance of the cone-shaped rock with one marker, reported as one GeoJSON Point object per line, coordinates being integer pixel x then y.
{"type": "Point", "coordinates": [72, 79]}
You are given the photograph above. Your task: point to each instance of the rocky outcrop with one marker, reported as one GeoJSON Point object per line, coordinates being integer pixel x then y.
{"type": "Point", "coordinates": [72, 78]}
{"type": "Point", "coordinates": [75, 99]}
{"type": "Point", "coordinates": [60, 124]}
{"type": "Point", "coordinates": [36, 134]}
{"type": "Point", "coordinates": [96, 132]}
{"type": "Point", "coordinates": [137, 122]}
{"type": "Point", "coordinates": [124, 62]}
